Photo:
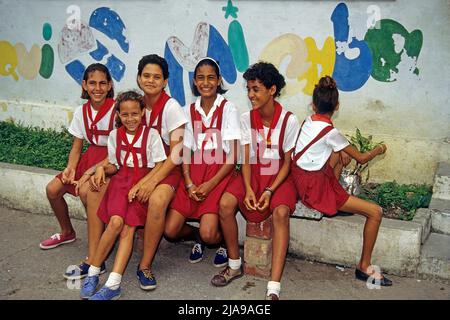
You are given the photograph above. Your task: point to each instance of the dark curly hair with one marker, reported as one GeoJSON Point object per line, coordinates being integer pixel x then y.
{"type": "Point", "coordinates": [268, 74]}
{"type": "Point", "coordinates": [326, 95]}
{"type": "Point", "coordinates": [129, 95]}
{"type": "Point", "coordinates": [97, 67]}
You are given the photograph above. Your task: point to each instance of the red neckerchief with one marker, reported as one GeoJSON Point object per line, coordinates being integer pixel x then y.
{"type": "Point", "coordinates": [158, 107]}
{"type": "Point", "coordinates": [321, 117]}
{"type": "Point", "coordinates": [198, 120]}
{"type": "Point", "coordinates": [104, 108]}
{"type": "Point", "coordinates": [130, 149]}
{"type": "Point", "coordinates": [259, 125]}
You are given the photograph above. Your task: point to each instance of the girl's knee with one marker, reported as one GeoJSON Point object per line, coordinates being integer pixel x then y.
{"type": "Point", "coordinates": [209, 235]}
{"type": "Point", "coordinates": [170, 231]}
{"type": "Point", "coordinates": [115, 224]}
{"type": "Point", "coordinates": [54, 190]}
{"type": "Point", "coordinates": [377, 213]}
{"type": "Point", "coordinates": [227, 207]}
{"type": "Point", "coordinates": [281, 214]}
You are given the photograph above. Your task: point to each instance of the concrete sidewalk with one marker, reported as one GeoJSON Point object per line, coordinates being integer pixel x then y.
{"type": "Point", "coordinates": [27, 272]}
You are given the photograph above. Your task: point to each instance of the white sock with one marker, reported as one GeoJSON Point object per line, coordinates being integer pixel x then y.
{"type": "Point", "coordinates": [114, 281]}
{"type": "Point", "coordinates": [93, 271]}
{"type": "Point", "coordinates": [234, 264]}
{"type": "Point", "coordinates": [273, 287]}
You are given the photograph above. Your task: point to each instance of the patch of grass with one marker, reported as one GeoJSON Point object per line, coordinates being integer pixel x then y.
{"type": "Point", "coordinates": [32, 146]}
{"type": "Point", "coordinates": [398, 201]}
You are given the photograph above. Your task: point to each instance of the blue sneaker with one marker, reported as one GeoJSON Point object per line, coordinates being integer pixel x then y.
{"type": "Point", "coordinates": [197, 253]}
{"type": "Point", "coordinates": [146, 279]}
{"type": "Point", "coordinates": [88, 287]}
{"type": "Point", "coordinates": [74, 272]}
{"type": "Point", "coordinates": [221, 258]}
{"type": "Point", "coordinates": [106, 293]}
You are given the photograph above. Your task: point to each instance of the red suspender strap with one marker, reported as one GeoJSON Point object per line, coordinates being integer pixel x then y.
{"type": "Point", "coordinates": [198, 126]}
{"type": "Point", "coordinates": [118, 148]}
{"type": "Point", "coordinates": [282, 134]}
{"type": "Point", "coordinates": [318, 137]}
{"type": "Point", "coordinates": [91, 130]}
{"type": "Point", "coordinates": [85, 121]}
{"type": "Point", "coordinates": [144, 146]}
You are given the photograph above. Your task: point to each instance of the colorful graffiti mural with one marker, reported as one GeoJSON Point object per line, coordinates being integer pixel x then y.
{"type": "Point", "coordinates": [358, 49]}
{"type": "Point", "coordinates": [386, 50]}
{"type": "Point", "coordinates": [16, 59]}
{"type": "Point", "coordinates": [77, 39]}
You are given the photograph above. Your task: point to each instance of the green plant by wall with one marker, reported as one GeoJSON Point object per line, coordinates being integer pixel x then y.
{"type": "Point", "coordinates": [401, 200]}
{"type": "Point", "coordinates": [32, 146]}
{"type": "Point", "coordinates": [363, 144]}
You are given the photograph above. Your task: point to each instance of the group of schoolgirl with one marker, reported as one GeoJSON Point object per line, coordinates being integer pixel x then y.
{"type": "Point", "coordinates": [150, 163]}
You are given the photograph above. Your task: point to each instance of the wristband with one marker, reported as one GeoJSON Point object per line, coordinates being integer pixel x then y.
{"type": "Point", "coordinates": [188, 186]}
{"type": "Point", "coordinates": [267, 189]}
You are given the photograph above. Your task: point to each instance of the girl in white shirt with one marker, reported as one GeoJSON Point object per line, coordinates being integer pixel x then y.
{"type": "Point", "coordinates": [92, 122]}
{"type": "Point", "coordinates": [321, 152]}
{"type": "Point", "coordinates": [209, 157]}
{"type": "Point", "coordinates": [134, 150]}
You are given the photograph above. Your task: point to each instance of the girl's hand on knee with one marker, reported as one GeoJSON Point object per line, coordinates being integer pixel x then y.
{"type": "Point", "coordinates": [132, 193]}
{"type": "Point", "coordinates": [68, 175]}
{"type": "Point", "coordinates": [264, 201]}
{"type": "Point", "coordinates": [250, 200]}
{"type": "Point", "coordinates": [145, 191]}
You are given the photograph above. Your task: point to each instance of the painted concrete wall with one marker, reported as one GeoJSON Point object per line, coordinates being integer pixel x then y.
{"type": "Point", "coordinates": [390, 59]}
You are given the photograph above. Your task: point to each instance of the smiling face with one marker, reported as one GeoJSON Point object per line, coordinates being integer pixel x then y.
{"type": "Point", "coordinates": [207, 81]}
{"type": "Point", "coordinates": [97, 86]}
{"type": "Point", "coordinates": [130, 115]}
{"type": "Point", "coordinates": [258, 94]}
{"type": "Point", "coordinates": [151, 80]}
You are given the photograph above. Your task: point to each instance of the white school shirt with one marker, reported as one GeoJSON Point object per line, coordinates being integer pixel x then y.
{"type": "Point", "coordinates": [290, 135]}
{"type": "Point", "coordinates": [230, 126]}
{"type": "Point", "coordinates": [78, 130]}
{"type": "Point", "coordinates": [317, 155]}
{"type": "Point", "coordinates": [172, 117]}
{"type": "Point", "coordinates": [155, 149]}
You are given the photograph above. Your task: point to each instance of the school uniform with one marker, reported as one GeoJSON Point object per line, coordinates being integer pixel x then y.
{"type": "Point", "coordinates": [134, 156]}
{"type": "Point", "coordinates": [94, 127]}
{"type": "Point", "coordinates": [314, 178]}
{"type": "Point", "coordinates": [165, 116]}
{"type": "Point", "coordinates": [210, 139]}
{"type": "Point", "coordinates": [267, 149]}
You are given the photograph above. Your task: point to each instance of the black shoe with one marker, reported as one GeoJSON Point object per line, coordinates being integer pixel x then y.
{"type": "Point", "coordinates": [384, 282]}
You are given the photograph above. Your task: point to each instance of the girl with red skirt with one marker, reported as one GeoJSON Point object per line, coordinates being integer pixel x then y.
{"type": "Point", "coordinates": [92, 122]}
{"type": "Point", "coordinates": [321, 152]}
{"type": "Point", "coordinates": [209, 156]}
{"type": "Point", "coordinates": [265, 187]}
{"type": "Point", "coordinates": [133, 151]}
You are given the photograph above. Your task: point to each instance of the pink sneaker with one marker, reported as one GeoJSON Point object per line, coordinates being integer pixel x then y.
{"type": "Point", "coordinates": [56, 240]}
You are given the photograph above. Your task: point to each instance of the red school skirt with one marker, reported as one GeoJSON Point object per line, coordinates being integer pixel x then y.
{"type": "Point", "coordinates": [285, 194]}
{"type": "Point", "coordinates": [200, 173]}
{"type": "Point", "coordinates": [319, 189]}
{"type": "Point", "coordinates": [174, 178]}
{"type": "Point", "coordinates": [93, 155]}
{"type": "Point", "coordinates": [115, 201]}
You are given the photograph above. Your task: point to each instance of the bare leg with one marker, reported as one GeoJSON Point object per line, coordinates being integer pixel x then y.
{"type": "Point", "coordinates": [176, 227]}
{"type": "Point", "coordinates": [107, 240]}
{"type": "Point", "coordinates": [209, 228]}
{"type": "Point", "coordinates": [124, 250]}
{"type": "Point", "coordinates": [55, 191]}
{"type": "Point", "coordinates": [228, 224]}
{"type": "Point", "coordinates": [373, 214]}
{"type": "Point", "coordinates": [280, 241]}
{"type": "Point", "coordinates": [154, 226]}
{"type": "Point", "coordinates": [94, 224]}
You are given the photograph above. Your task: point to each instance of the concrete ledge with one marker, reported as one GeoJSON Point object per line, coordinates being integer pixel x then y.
{"type": "Point", "coordinates": [441, 186]}
{"type": "Point", "coordinates": [435, 259]}
{"type": "Point", "coordinates": [23, 188]}
{"type": "Point", "coordinates": [440, 217]}
{"type": "Point", "coordinates": [331, 240]}
{"type": "Point", "coordinates": [339, 240]}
